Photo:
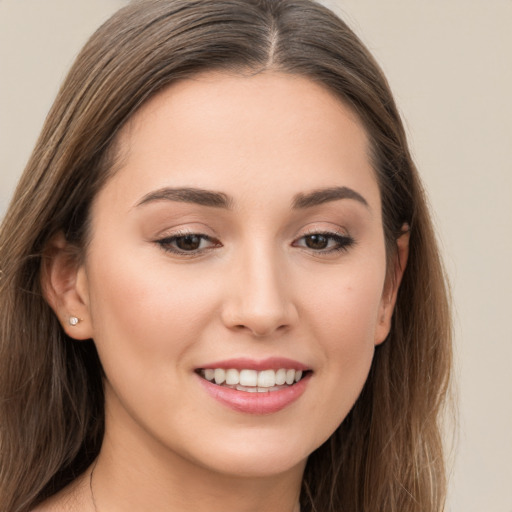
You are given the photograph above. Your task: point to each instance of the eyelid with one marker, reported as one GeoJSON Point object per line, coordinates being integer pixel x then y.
{"type": "Point", "coordinates": [344, 240]}
{"type": "Point", "coordinates": [165, 243]}
{"type": "Point", "coordinates": [325, 231]}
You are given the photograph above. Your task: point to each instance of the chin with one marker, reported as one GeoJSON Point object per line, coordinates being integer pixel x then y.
{"type": "Point", "coordinates": [262, 465]}
{"type": "Point", "coordinates": [258, 455]}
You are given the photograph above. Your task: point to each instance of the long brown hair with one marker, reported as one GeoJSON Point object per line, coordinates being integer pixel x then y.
{"type": "Point", "coordinates": [387, 454]}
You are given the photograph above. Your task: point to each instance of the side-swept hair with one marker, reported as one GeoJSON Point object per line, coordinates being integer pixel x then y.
{"type": "Point", "coordinates": [387, 454]}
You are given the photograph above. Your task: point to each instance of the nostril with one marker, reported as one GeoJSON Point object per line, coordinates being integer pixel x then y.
{"type": "Point", "coordinates": [260, 329]}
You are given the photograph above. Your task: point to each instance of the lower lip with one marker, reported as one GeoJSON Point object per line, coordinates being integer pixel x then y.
{"type": "Point", "coordinates": [256, 403]}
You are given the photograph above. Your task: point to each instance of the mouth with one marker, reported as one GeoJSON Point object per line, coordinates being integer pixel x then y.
{"type": "Point", "coordinates": [253, 381]}
{"type": "Point", "coordinates": [259, 387]}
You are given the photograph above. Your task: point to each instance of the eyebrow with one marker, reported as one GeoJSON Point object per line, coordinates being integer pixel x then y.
{"type": "Point", "coordinates": [222, 200]}
{"type": "Point", "coordinates": [325, 195]}
{"type": "Point", "coordinates": [189, 195]}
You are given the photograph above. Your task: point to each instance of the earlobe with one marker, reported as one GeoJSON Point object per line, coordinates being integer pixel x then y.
{"type": "Point", "coordinates": [64, 285]}
{"type": "Point", "coordinates": [394, 279]}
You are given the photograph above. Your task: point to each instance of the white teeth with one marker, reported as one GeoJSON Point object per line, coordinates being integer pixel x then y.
{"type": "Point", "coordinates": [248, 377]}
{"type": "Point", "coordinates": [232, 377]}
{"type": "Point", "coordinates": [280, 377]}
{"type": "Point", "coordinates": [252, 380]}
{"type": "Point", "coordinates": [219, 375]}
{"type": "Point", "coordinates": [267, 379]}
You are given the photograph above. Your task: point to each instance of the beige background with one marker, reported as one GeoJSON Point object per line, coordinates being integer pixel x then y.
{"type": "Point", "coordinates": [449, 63]}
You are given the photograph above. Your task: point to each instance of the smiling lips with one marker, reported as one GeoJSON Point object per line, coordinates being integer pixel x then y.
{"type": "Point", "coordinates": [262, 387]}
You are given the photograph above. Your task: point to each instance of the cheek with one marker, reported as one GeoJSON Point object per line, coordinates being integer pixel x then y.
{"type": "Point", "coordinates": [349, 321]}
{"type": "Point", "coordinates": [344, 316]}
{"type": "Point", "coordinates": [345, 304]}
{"type": "Point", "coordinates": [143, 311]}
{"type": "Point", "coordinates": [146, 325]}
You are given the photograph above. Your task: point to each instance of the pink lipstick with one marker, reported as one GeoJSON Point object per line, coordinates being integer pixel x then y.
{"type": "Point", "coordinates": [255, 386]}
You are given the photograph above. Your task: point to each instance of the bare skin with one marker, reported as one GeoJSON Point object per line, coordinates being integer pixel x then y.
{"type": "Point", "coordinates": [287, 261]}
{"type": "Point", "coordinates": [75, 497]}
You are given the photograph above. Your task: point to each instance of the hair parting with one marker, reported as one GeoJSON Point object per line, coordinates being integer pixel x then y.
{"type": "Point", "coordinates": [387, 454]}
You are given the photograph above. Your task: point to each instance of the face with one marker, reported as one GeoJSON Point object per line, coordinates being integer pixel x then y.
{"type": "Point", "coordinates": [241, 238]}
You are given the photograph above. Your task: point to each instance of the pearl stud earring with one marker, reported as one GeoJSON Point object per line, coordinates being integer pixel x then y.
{"type": "Point", "coordinates": [73, 320]}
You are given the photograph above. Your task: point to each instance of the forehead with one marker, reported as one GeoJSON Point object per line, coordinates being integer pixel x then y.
{"type": "Point", "coordinates": [239, 133]}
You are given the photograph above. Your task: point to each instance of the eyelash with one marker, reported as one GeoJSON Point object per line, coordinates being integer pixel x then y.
{"type": "Point", "coordinates": [166, 244]}
{"type": "Point", "coordinates": [342, 243]}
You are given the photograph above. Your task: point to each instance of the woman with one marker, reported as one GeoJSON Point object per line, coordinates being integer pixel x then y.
{"type": "Point", "coordinates": [220, 284]}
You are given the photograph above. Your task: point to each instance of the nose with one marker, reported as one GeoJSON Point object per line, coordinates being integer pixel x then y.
{"type": "Point", "coordinates": [259, 297]}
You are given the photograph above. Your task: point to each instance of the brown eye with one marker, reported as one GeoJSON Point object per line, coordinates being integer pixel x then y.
{"type": "Point", "coordinates": [325, 243]}
{"type": "Point", "coordinates": [317, 242]}
{"type": "Point", "coordinates": [188, 242]}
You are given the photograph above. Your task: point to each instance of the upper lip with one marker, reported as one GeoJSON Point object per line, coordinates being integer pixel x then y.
{"type": "Point", "coordinates": [270, 363]}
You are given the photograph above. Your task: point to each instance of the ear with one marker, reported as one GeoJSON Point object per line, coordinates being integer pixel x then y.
{"type": "Point", "coordinates": [393, 281]}
{"type": "Point", "coordinates": [65, 287]}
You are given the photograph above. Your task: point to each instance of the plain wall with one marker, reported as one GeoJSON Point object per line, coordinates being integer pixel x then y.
{"type": "Point", "coordinates": [449, 63]}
